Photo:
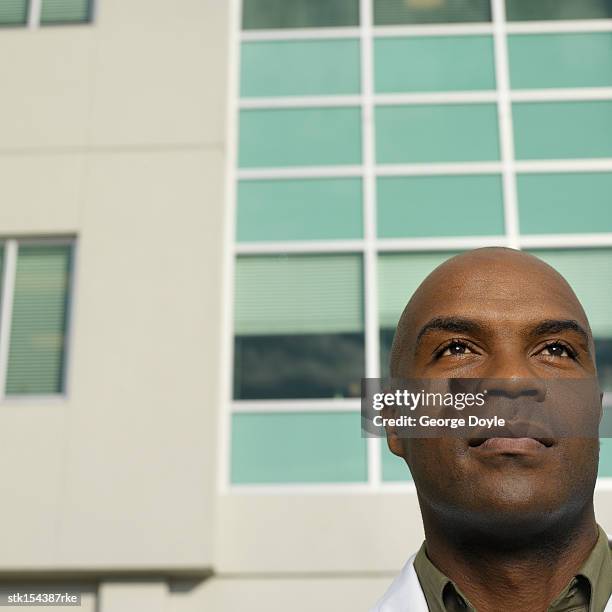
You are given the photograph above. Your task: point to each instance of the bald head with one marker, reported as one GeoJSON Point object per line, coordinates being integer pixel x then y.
{"type": "Point", "coordinates": [486, 287]}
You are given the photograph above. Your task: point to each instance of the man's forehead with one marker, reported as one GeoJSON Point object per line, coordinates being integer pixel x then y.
{"type": "Point", "coordinates": [495, 288]}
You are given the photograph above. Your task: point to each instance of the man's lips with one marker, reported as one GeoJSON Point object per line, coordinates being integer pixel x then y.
{"type": "Point", "coordinates": [518, 438]}
{"type": "Point", "coordinates": [509, 446]}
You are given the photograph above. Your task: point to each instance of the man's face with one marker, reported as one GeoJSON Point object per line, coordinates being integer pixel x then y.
{"type": "Point", "coordinates": [498, 315]}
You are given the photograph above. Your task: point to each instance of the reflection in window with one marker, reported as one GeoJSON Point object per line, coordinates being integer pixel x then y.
{"type": "Point", "coordinates": [265, 14]}
{"type": "Point", "coordinates": [298, 326]}
{"type": "Point", "coordinates": [390, 12]}
{"type": "Point", "coordinates": [528, 10]}
{"type": "Point", "coordinates": [298, 366]}
{"type": "Point", "coordinates": [386, 341]}
{"type": "Point", "coordinates": [603, 355]}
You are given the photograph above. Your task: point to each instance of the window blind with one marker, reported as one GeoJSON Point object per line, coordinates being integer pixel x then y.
{"type": "Point", "coordinates": [36, 351]}
{"type": "Point", "coordinates": [13, 12]}
{"type": "Point", "coordinates": [298, 294]}
{"type": "Point", "coordinates": [65, 11]}
{"type": "Point", "coordinates": [399, 274]}
{"type": "Point", "coordinates": [589, 272]}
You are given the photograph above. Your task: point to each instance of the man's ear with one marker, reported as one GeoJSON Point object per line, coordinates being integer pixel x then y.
{"type": "Point", "coordinates": [394, 441]}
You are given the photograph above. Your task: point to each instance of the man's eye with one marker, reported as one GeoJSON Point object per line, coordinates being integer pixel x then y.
{"type": "Point", "coordinates": [454, 348]}
{"type": "Point", "coordinates": [556, 349]}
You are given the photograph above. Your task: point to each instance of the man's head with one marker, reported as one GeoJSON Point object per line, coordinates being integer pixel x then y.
{"type": "Point", "coordinates": [498, 314]}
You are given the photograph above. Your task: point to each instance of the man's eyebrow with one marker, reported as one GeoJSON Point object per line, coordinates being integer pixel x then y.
{"type": "Point", "coordinates": [555, 326]}
{"type": "Point", "coordinates": [451, 324]}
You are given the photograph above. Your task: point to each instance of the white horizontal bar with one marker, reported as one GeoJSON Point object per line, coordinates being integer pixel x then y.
{"type": "Point", "coordinates": [346, 404]}
{"type": "Point", "coordinates": [428, 169]}
{"type": "Point", "coordinates": [449, 243]}
{"type": "Point", "coordinates": [450, 29]}
{"type": "Point", "coordinates": [565, 240]}
{"type": "Point", "coordinates": [299, 172]}
{"type": "Point", "coordinates": [564, 165]}
{"type": "Point", "coordinates": [300, 34]}
{"type": "Point", "coordinates": [602, 484]}
{"type": "Point", "coordinates": [340, 488]}
{"type": "Point", "coordinates": [301, 102]}
{"type": "Point", "coordinates": [553, 95]}
{"type": "Point", "coordinates": [545, 27]}
{"type": "Point", "coordinates": [349, 404]}
{"type": "Point", "coordinates": [441, 169]}
{"type": "Point", "coordinates": [442, 97]}
{"type": "Point", "coordinates": [437, 97]}
{"type": "Point", "coordinates": [297, 246]}
{"type": "Point", "coordinates": [433, 29]}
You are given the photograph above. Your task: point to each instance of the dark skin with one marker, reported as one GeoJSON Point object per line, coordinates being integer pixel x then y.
{"type": "Point", "coordinates": [510, 527]}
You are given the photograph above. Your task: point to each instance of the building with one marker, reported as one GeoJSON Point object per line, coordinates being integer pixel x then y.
{"type": "Point", "coordinates": [212, 214]}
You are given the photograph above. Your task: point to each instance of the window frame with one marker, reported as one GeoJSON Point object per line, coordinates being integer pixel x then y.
{"type": "Point", "coordinates": [370, 245]}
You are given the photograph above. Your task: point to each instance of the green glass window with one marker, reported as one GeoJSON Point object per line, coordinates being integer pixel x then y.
{"type": "Point", "coordinates": [299, 67]}
{"type": "Point", "coordinates": [557, 60]}
{"type": "Point", "coordinates": [436, 63]}
{"type": "Point", "coordinates": [278, 448]}
{"type": "Point", "coordinates": [548, 203]}
{"type": "Point", "coordinates": [558, 130]}
{"type": "Point", "coordinates": [605, 457]}
{"type": "Point", "coordinates": [1, 271]}
{"type": "Point", "coordinates": [589, 272]}
{"type": "Point", "coordinates": [394, 468]}
{"type": "Point", "coordinates": [300, 137]}
{"type": "Point", "coordinates": [267, 14]}
{"type": "Point", "coordinates": [527, 10]}
{"type": "Point", "coordinates": [298, 326]}
{"type": "Point", "coordinates": [38, 327]}
{"type": "Point", "coordinates": [308, 209]}
{"type": "Point", "coordinates": [420, 206]}
{"type": "Point", "coordinates": [399, 275]}
{"type": "Point", "coordinates": [390, 12]}
{"type": "Point", "coordinates": [13, 12]}
{"type": "Point", "coordinates": [65, 11]}
{"type": "Point", "coordinates": [436, 133]}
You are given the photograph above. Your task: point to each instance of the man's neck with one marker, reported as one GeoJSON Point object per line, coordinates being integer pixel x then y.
{"type": "Point", "coordinates": [527, 578]}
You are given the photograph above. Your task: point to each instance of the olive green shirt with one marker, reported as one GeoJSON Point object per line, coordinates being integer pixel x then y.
{"type": "Point", "coordinates": [588, 591]}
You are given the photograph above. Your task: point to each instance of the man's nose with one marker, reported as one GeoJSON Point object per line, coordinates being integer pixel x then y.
{"type": "Point", "coordinates": [511, 376]}
{"type": "Point", "coordinates": [516, 387]}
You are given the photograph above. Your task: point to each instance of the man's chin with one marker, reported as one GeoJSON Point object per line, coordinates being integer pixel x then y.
{"type": "Point", "coordinates": [512, 519]}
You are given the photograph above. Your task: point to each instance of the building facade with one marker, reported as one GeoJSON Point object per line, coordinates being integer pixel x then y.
{"type": "Point", "coordinates": [212, 214]}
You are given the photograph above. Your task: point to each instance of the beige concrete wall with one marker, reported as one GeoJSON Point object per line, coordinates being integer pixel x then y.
{"type": "Point", "coordinates": [112, 132]}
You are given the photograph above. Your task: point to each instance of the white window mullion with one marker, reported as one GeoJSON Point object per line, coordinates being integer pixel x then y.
{"type": "Point", "coordinates": [226, 388]}
{"type": "Point", "coordinates": [34, 11]}
{"type": "Point", "coordinates": [7, 288]}
{"type": "Point", "coordinates": [504, 113]}
{"type": "Point", "coordinates": [372, 342]}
